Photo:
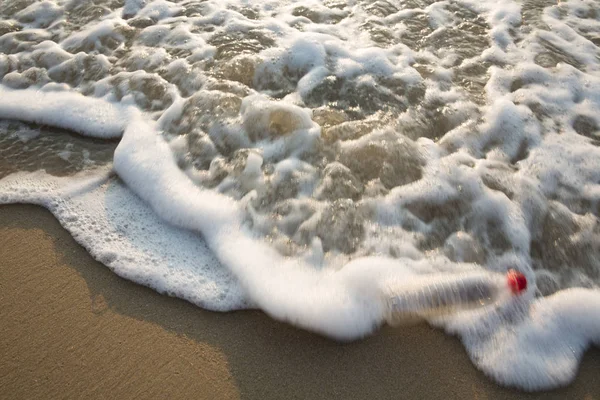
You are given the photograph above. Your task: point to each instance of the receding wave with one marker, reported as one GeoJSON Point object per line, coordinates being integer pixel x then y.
{"type": "Point", "coordinates": [338, 165]}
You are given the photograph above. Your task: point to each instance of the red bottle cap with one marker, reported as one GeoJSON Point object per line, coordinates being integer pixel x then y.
{"type": "Point", "coordinates": [516, 281]}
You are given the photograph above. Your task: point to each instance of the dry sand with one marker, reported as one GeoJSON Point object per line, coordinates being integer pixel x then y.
{"type": "Point", "coordinates": [70, 328]}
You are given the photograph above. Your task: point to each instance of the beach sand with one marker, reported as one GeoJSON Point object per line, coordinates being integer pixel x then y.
{"type": "Point", "coordinates": [70, 328]}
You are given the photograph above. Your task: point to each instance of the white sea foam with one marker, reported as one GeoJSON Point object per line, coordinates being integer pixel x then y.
{"type": "Point", "coordinates": [332, 157]}
{"type": "Point", "coordinates": [85, 115]}
{"type": "Point", "coordinates": [123, 233]}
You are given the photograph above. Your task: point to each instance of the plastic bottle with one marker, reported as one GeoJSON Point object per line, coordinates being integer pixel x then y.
{"type": "Point", "coordinates": [446, 294]}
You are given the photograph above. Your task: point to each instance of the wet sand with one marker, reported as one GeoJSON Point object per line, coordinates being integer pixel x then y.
{"type": "Point", "coordinates": [70, 328]}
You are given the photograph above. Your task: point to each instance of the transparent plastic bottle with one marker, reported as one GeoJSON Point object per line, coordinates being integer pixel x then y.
{"type": "Point", "coordinates": [447, 294]}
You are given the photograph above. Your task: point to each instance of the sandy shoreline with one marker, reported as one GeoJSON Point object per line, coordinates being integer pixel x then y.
{"type": "Point", "coordinates": [69, 328]}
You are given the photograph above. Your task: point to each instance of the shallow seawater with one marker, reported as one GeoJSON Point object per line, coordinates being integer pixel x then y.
{"type": "Point", "coordinates": [30, 147]}
{"type": "Point", "coordinates": [314, 159]}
